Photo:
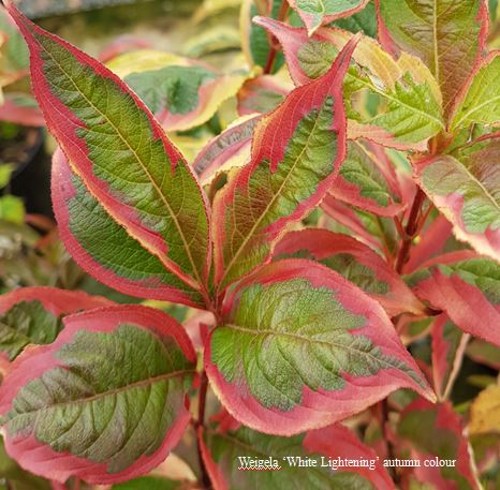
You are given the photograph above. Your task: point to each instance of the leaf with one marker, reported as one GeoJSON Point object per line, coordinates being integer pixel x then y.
{"type": "Point", "coordinates": [232, 145]}
{"type": "Point", "coordinates": [465, 188]}
{"type": "Point", "coordinates": [467, 288]}
{"type": "Point", "coordinates": [225, 448]}
{"type": "Point", "coordinates": [32, 315]}
{"type": "Point", "coordinates": [377, 232]}
{"type": "Point", "coordinates": [356, 262]}
{"type": "Point", "coordinates": [435, 433]}
{"type": "Point", "coordinates": [403, 88]}
{"type": "Point", "coordinates": [182, 93]}
{"type": "Point", "coordinates": [116, 259]}
{"type": "Point", "coordinates": [12, 209]}
{"type": "Point", "coordinates": [364, 21]}
{"type": "Point", "coordinates": [262, 94]}
{"type": "Point", "coordinates": [286, 177]}
{"type": "Point", "coordinates": [480, 99]}
{"type": "Point", "coordinates": [105, 402]}
{"type": "Point", "coordinates": [448, 35]}
{"type": "Point", "coordinates": [448, 347]}
{"type": "Point", "coordinates": [485, 411]}
{"type": "Point", "coordinates": [365, 181]}
{"type": "Point", "coordinates": [299, 347]}
{"type": "Point", "coordinates": [255, 41]}
{"type": "Point", "coordinates": [484, 353]}
{"type": "Point", "coordinates": [121, 153]}
{"type": "Point", "coordinates": [14, 56]}
{"type": "Point", "coordinates": [314, 13]}
{"type": "Point", "coordinates": [22, 109]}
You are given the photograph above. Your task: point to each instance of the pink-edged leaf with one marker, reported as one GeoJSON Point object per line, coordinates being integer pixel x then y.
{"type": "Point", "coordinates": [366, 181]}
{"type": "Point", "coordinates": [21, 109]}
{"type": "Point", "coordinates": [448, 35]}
{"type": "Point", "coordinates": [33, 315]}
{"type": "Point", "coordinates": [465, 188]}
{"type": "Point", "coordinates": [434, 434]}
{"type": "Point", "coordinates": [377, 232]}
{"type": "Point", "coordinates": [303, 460]}
{"type": "Point", "coordinates": [448, 348]}
{"type": "Point", "coordinates": [300, 347]}
{"type": "Point", "coordinates": [125, 368]}
{"type": "Point", "coordinates": [296, 155]}
{"type": "Point", "coordinates": [356, 262]}
{"type": "Point", "coordinates": [181, 92]}
{"type": "Point", "coordinates": [402, 88]}
{"type": "Point", "coordinates": [262, 94]}
{"type": "Point", "coordinates": [233, 144]}
{"type": "Point", "coordinates": [116, 259]}
{"type": "Point", "coordinates": [467, 288]}
{"type": "Point", "coordinates": [314, 13]}
{"type": "Point", "coordinates": [121, 153]}
{"type": "Point", "coordinates": [484, 353]}
{"type": "Point", "coordinates": [479, 101]}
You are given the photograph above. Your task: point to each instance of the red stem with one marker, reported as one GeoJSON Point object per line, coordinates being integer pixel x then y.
{"type": "Point", "coordinates": [200, 421]}
{"type": "Point", "coordinates": [410, 231]}
{"type": "Point", "coordinates": [273, 42]}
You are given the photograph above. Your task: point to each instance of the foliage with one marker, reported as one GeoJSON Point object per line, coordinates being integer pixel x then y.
{"type": "Point", "coordinates": [334, 240]}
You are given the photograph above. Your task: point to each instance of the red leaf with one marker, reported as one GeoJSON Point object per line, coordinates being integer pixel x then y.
{"type": "Point", "coordinates": [368, 270]}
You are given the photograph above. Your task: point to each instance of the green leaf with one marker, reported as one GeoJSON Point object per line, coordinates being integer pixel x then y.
{"type": "Point", "coordinates": [149, 483]}
{"type": "Point", "coordinates": [299, 347]}
{"type": "Point", "coordinates": [448, 35]}
{"type": "Point", "coordinates": [317, 12]}
{"type": "Point", "coordinates": [364, 21]}
{"type": "Point", "coordinates": [480, 103]}
{"type": "Point", "coordinates": [121, 153]}
{"type": "Point", "coordinates": [12, 209]}
{"type": "Point", "coordinates": [105, 402]}
{"type": "Point", "coordinates": [6, 170]}
{"type": "Point", "coordinates": [27, 323]}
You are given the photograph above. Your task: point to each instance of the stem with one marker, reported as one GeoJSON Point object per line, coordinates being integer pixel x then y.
{"type": "Point", "coordinates": [410, 231]}
{"type": "Point", "coordinates": [273, 42]}
{"type": "Point", "coordinates": [200, 421]}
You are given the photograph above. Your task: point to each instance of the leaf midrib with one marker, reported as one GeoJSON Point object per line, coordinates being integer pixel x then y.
{"type": "Point", "coordinates": [257, 332]}
{"type": "Point", "coordinates": [272, 201]}
{"type": "Point", "coordinates": [88, 399]}
{"type": "Point", "coordinates": [143, 166]}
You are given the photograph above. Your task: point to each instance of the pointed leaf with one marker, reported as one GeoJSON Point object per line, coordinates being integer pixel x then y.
{"type": "Point", "coordinates": [448, 347]}
{"type": "Point", "coordinates": [467, 288]}
{"type": "Point", "coordinates": [105, 402]}
{"type": "Point", "coordinates": [314, 13]}
{"type": "Point", "coordinates": [230, 145]}
{"type": "Point", "coordinates": [466, 189]}
{"type": "Point", "coordinates": [116, 259]}
{"type": "Point", "coordinates": [364, 21]}
{"type": "Point", "coordinates": [299, 347]}
{"type": "Point", "coordinates": [484, 353]}
{"type": "Point", "coordinates": [366, 182]}
{"type": "Point", "coordinates": [287, 175]}
{"type": "Point", "coordinates": [182, 93]}
{"type": "Point", "coordinates": [435, 434]}
{"type": "Point", "coordinates": [377, 232]}
{"type": "Point", "coordinates": [33, 315]}
{"type": "Point", "coordinates": [448, 35]}
{"type": "Point", "coordinates": [121, 152]}
{"type": "Point", "coordinates": [480, 99]}
{"type": "Point", "coordinates": [226, 448]}
{"type": "Point", "coordinates": [356, 262]}
{"type": "Point", "coordinates": [262, 94]}
{"type": "Point", "coordinates": [403, 88]}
